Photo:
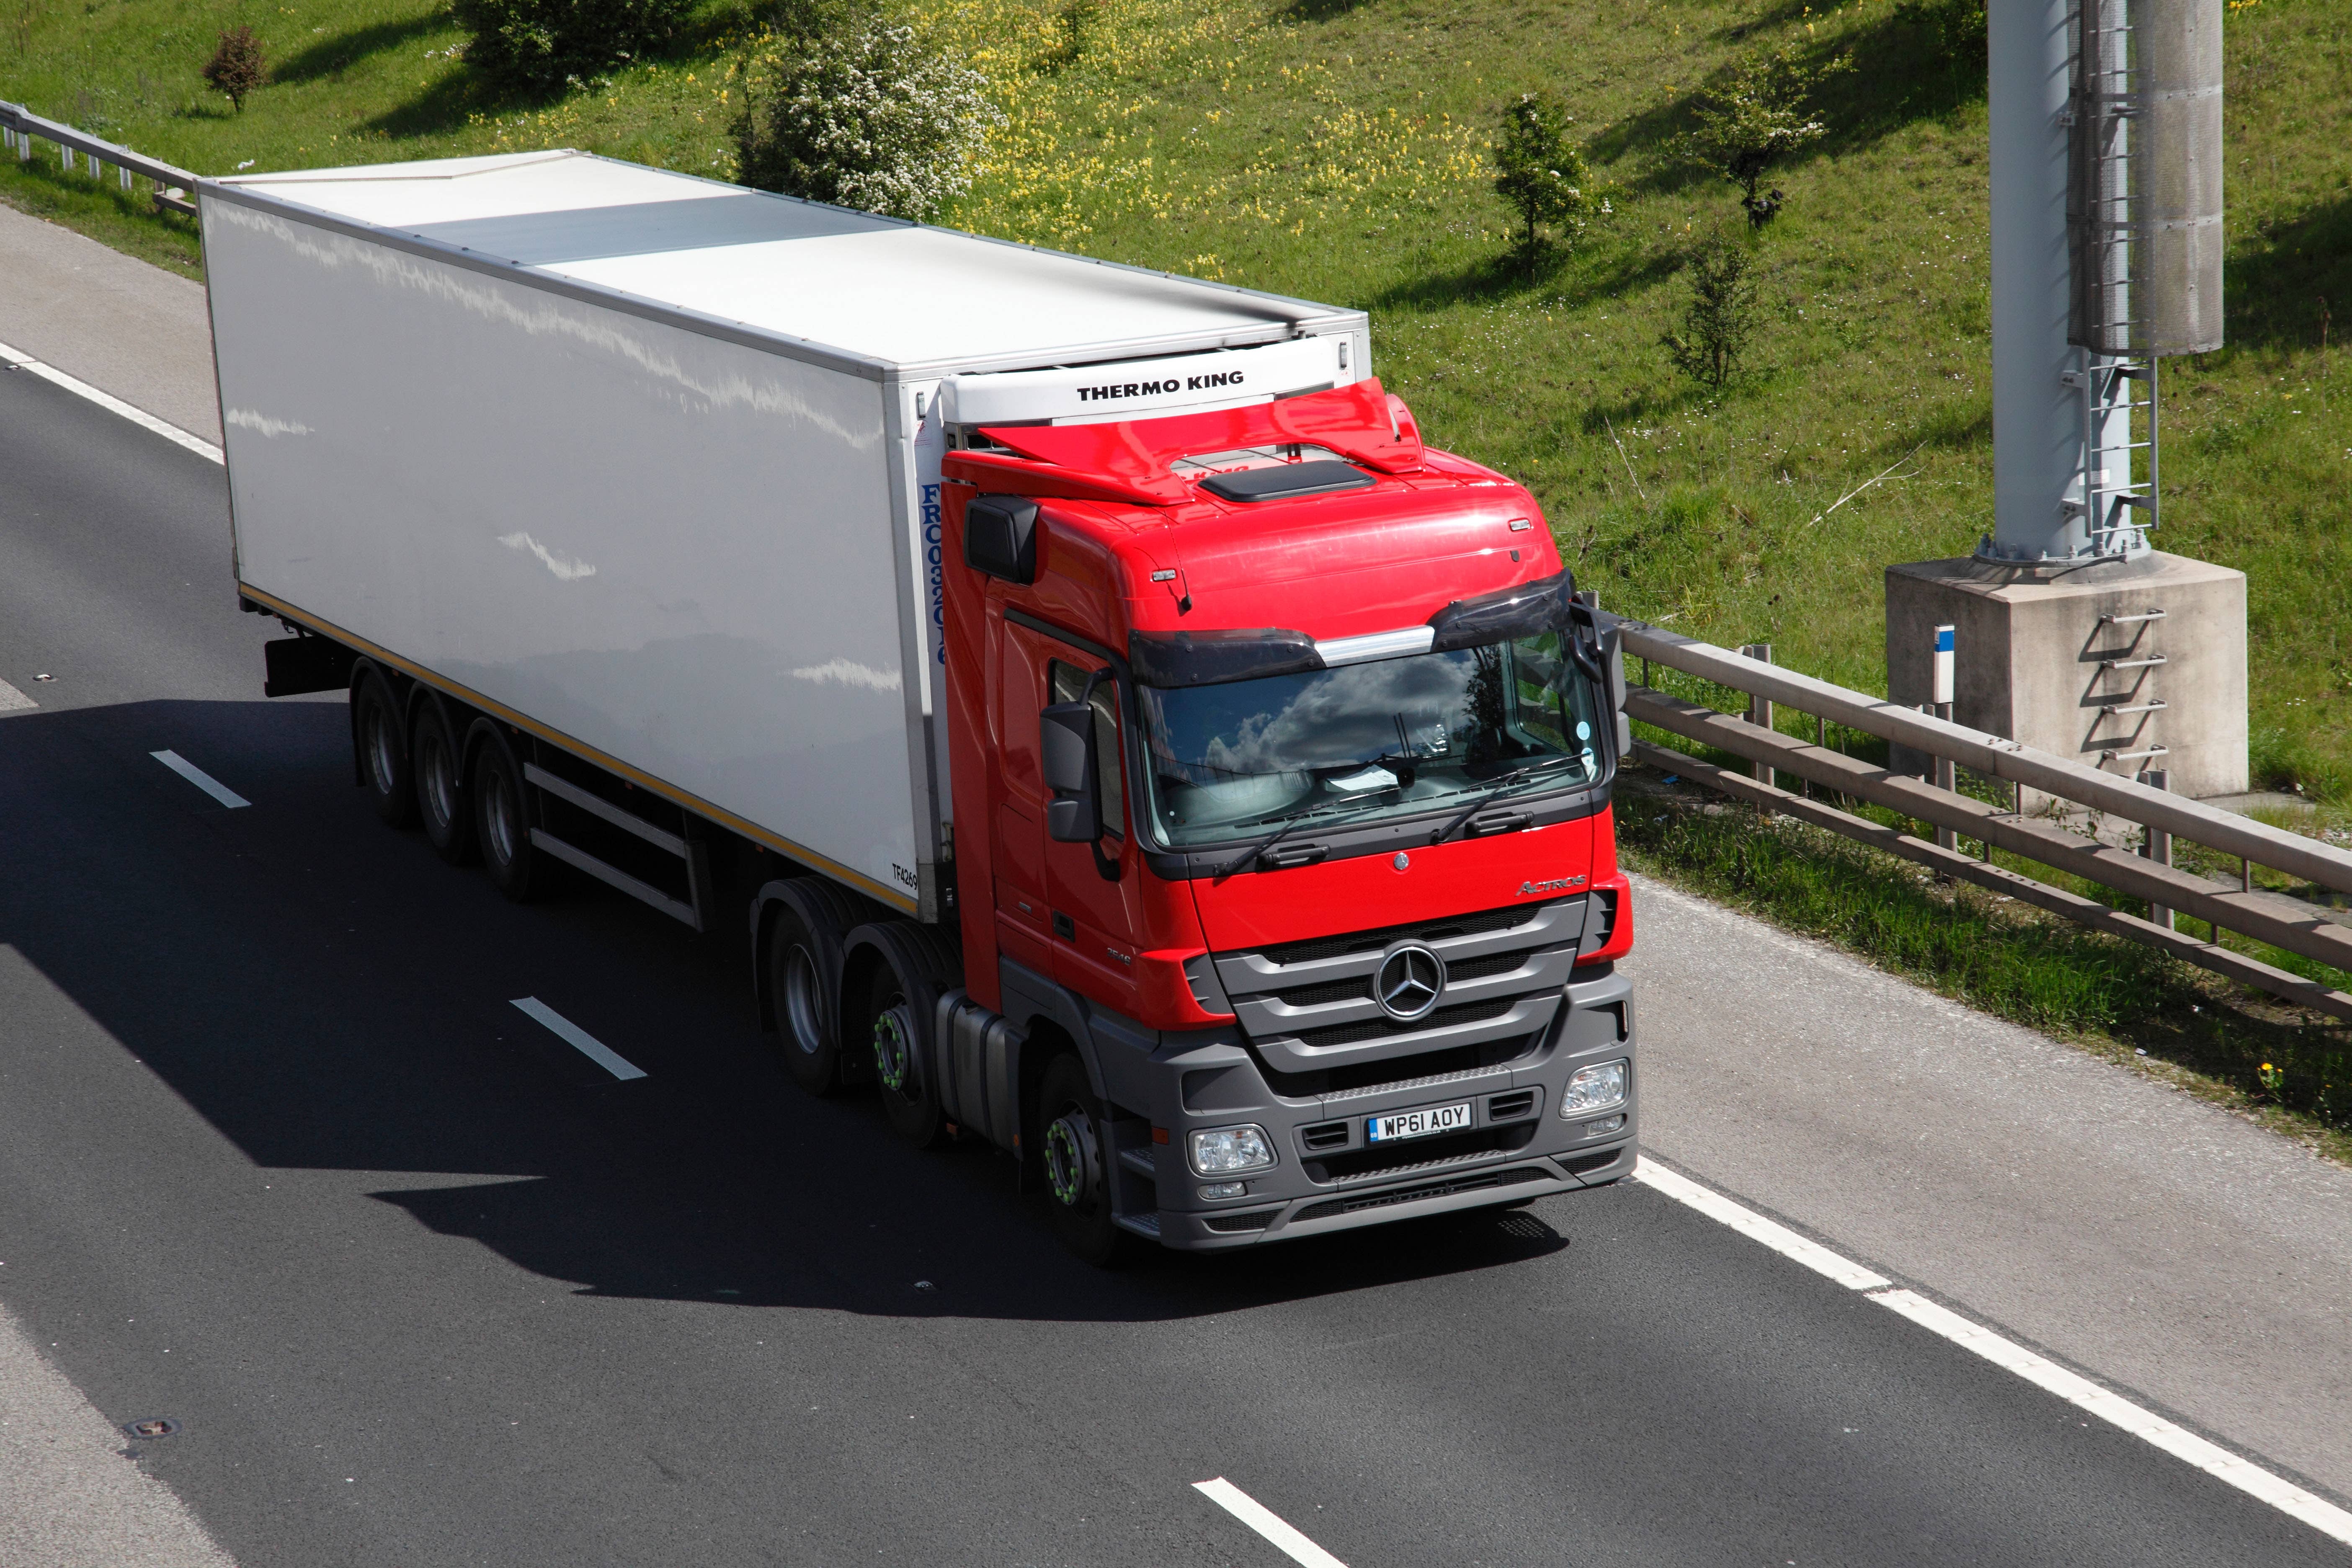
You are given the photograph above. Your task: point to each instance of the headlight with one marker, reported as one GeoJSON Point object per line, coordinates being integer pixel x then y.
{"type": "Point", "coordinates": [1592, 1089]}
{"type": "Point", "coordinates": [1225, 1150]}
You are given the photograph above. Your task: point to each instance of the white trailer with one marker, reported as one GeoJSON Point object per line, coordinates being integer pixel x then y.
{"type": "Point", "coordinates": [647, 465]}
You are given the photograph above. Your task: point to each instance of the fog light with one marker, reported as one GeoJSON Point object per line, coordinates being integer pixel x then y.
{"type": "Point", "coordinates": [1592, 1089]}
{"type": "Point", "coordinates": [1224, 1150]}
{"type": "Point", "coordinates": [1225, 1190]}
{"type": "Point", "coordinates": [1605, 1126]}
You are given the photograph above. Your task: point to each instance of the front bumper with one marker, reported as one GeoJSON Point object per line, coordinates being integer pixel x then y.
{"type": "Point", "coordinates": [1331, 1177]}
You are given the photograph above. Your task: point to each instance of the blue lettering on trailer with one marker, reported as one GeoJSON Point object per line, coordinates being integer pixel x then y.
{"type": "Point", "coordinates": [933, 567]}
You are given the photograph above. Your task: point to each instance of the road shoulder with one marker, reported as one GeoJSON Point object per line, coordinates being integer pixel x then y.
{"type": "Point", "coordinates": [68, 1498]}
{"type": "Point", "coordinates": [2159, 1243]}
{"type": "Point", "coordinates": [119, 323]}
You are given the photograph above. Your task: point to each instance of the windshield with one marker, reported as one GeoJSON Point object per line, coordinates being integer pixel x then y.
{"type": "Point", "coordinates": [1384, 739]}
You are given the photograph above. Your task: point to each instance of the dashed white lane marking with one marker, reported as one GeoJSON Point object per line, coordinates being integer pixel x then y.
{"type": "Point", "coordinates": [1266, 1522]}
{"type": "Point", "coordinates": [112, 403]}
{"type": "Point", "coordinates": [580, 1039]}
{"type": "Point", "coordinates": [2081, 1391]}
{"type": "Point", "coordinates": [201, 779]}
{"type": "Point", "coordinates": [12, 701]}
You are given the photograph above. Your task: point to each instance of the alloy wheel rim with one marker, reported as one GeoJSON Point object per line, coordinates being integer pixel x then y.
{"type": "Point", "coordinates": [800, 1009]}
{"type": "Point", "coordinates": [501, 824]}
{"type": "Point", "coordinates": [893, 1049]}
{"type": "Point", "coordinates": [1069, 1158]}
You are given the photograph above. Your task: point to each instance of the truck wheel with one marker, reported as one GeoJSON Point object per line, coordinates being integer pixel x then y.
{"type": "Point", "coordinates": [796, 982]}
{"type": "Point", "coordinates": [444, 805]}
{"type": "Point", "coordinates": [502, 817]}
{"type": "Point", "coordinates": [1075, 1150]}
{"type": "Point", "coordinates": [381, 741]}
{"type": "Point", "coordinates": [917, 966]}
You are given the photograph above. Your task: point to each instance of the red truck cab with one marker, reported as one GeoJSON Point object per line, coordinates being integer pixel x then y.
{"type": "Point", "coordinates": [1281, 751]}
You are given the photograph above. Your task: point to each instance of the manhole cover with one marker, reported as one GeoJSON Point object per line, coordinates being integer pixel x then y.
{"type": "Point", "coordinates": [154, 1426]}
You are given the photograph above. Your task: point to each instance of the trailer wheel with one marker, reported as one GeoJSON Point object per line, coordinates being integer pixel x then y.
{"type": "Point", "coordinates": [382, 740]}
{"type": "Point", "coordinates": [1076, 1145]}
{"type": "Point", "coordinates": [502, 817]}
{"type": "Point", "coordinates": [444, 805]}
{"type": "Point", "coordinates": [796, 982]}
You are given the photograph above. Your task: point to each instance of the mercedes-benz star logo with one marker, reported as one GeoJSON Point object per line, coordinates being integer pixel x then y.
{"type": "Point", "coordinates": [1407, 980]}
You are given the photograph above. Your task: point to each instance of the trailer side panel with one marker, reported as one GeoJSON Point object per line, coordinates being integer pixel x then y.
{"type": "Point", "coordinates": [671, 549]}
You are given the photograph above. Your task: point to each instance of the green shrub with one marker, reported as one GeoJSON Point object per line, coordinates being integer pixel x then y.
{"type": "Point", "coordinates": [561, 43]}
{"type": "Point", "coordinates": [862, 117]}
{"type": "Point", "coordinates": [1720, 315]}
{"type": "Point", "coordinates": [235, 71]}
{"type": "Point", "coordinates": [1754, 120]}
{"type": "Point", "coordinates": [1539, 174]}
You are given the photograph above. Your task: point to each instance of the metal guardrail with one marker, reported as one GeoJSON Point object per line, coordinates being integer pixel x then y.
{"type": "Point", "coordinates": [2290, 924]}
{"type": "Point", "coordinates": [172, 187]}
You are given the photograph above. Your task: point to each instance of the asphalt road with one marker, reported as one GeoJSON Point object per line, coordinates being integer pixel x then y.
{"type": "Point", "coordinates": [422, 1284]}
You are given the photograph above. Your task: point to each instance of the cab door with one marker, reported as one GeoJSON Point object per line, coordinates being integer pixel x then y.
{"type": "Point", "coordinates": [1094, 915]}
{"type": "Point", "coordinates": [1023, 927]}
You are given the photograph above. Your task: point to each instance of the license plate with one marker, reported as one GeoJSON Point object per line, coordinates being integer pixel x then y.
{"type": "Point", "coordinates": [1417, 1123]}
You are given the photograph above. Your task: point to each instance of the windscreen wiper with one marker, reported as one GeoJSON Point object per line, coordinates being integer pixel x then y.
{"type": "Point", "coordinates": [1511, 783]}
{"type": "Point", "coordinates": [1271, 839]}
{"type": "Point", "coordinates": [1289, 824]}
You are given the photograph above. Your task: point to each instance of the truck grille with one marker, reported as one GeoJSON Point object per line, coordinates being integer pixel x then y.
{"type": "Point", "coordinates": [1308, 1009]}
{"type": "Point", "coordinates": [1330, 1206]}
{"type": "Point", "coordinates": [1421, 1153]}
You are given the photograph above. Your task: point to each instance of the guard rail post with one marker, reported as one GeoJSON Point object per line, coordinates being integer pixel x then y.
{"type": "Point", "coordinates": [1759, 709]}
{"type": "Point", "coordinates": [2158, 848]}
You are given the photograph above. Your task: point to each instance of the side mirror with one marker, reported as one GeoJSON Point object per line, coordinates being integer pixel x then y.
{"type": "Point", "coordinates": [1067, 733]}
{"type": "Point", "coordinates": [999, 537]}
{"type": "Point", "coordinates": [1612, 642]}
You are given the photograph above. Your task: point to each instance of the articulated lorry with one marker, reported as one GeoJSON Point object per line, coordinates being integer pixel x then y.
{"type": "Point", "coordinates": [1129, 743]}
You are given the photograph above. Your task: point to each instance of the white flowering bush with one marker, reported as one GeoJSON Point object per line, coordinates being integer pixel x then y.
{"type": "Point", "coordinates": [864, 117]}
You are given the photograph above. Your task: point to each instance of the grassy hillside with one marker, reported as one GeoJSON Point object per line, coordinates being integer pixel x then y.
{"type": "Point", "coordinates": [1338, 151]}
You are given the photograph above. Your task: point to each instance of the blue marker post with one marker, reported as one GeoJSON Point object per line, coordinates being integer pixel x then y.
{"type": "Point", "coordinates": [1946, 775]}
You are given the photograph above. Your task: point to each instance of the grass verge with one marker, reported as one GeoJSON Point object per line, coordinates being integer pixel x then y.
{"type": "Point", "coordinates": [2286, 1070]}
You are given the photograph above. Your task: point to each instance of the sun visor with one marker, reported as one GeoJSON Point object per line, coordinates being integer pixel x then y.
{"type": "Point", "coordinates": [1211, 658]}
{"type": "Point", "coordinates": [1522, 610]}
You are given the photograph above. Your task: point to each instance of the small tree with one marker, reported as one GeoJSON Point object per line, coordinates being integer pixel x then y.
{"type": "Point", "coordinates": [564, 43]}
{"type": "Point", "coordinates": [1720, 316]}
{"type": "Point", "coordinates": [236, 68]}
{"type": "Point", "coordinates": [864, 118]}
{"type": "Point", "coordinates": [1539, 173]}
{"type": "Point", "coordinates": [1754, 121]}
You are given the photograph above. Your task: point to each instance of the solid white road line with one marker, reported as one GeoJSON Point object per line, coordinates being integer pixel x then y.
{"type": "Point", "coordinates": [2284, 1496]}
{"type": "Point", "coordinates": [201, 779]}
{"type": "Point", "coordinates": [12, 701]}
{"type": "Point", "coordinates": [1266, 1522]}
{"type": "Point", "coordinates": [1754, 1225]}
{"type": "Point", "coordinates": [110, 403]}
{"type": "Point", "coordinates": [2108, 1407]}
{"type": "Point", "coordinates": [580, 1039]}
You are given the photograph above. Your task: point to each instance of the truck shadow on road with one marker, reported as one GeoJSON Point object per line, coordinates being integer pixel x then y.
{"type": "Point", "coordinates": [328, 996]}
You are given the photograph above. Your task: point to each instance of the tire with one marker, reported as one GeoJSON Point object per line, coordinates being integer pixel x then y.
{"type": "Point", "coordinates": [1073, 1147]}
{"type": "Point", "coordinates": [797, 978]}
{"type": "Point", "coordinates": [380, 737]}
{"type": "Point", "coordinates": [502, 817]}
{"type": "Point", "coordinates": [444, 805]}
{"type": "Point", "coordinates": [916, 966]}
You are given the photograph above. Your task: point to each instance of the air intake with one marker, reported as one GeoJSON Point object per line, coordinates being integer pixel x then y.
{"type": "Point", "coordinates": [1285, 480]}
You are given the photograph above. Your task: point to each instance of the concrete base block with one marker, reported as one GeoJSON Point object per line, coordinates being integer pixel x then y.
{"type": "Point", "coordinates": [2034, 661]}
